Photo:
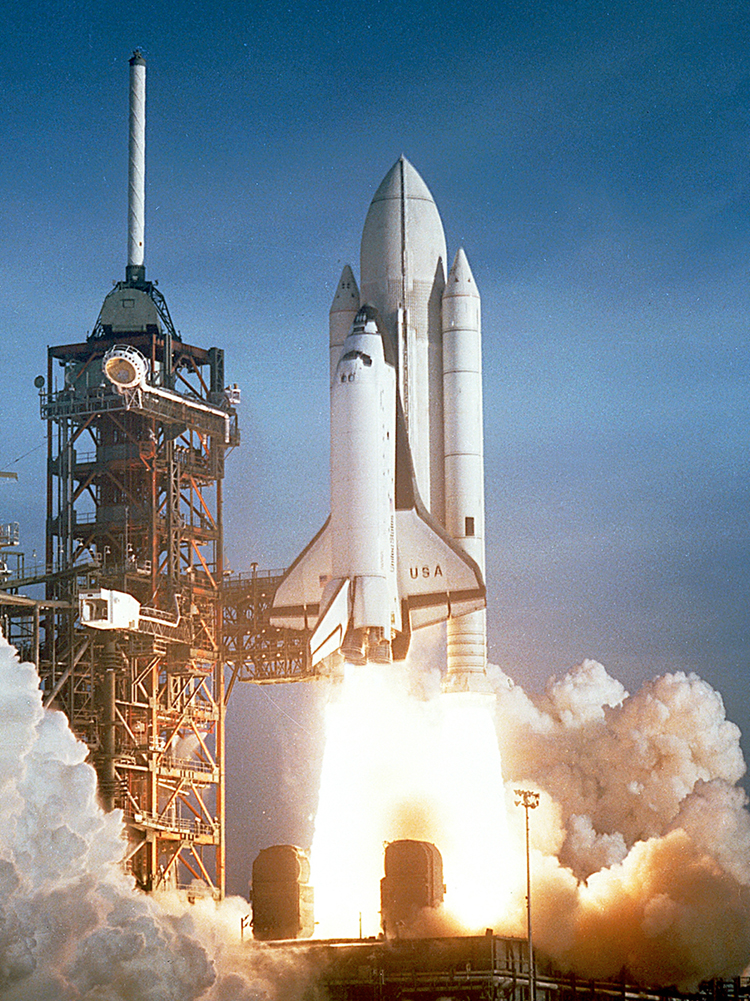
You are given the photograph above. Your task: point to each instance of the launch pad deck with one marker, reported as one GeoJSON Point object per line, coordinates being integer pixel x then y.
{"type": "Point", "coordinates": [473, 968]}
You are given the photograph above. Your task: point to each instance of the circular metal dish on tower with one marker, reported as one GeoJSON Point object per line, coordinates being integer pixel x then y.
{"type": "Point", "coordinates": [125, 367]}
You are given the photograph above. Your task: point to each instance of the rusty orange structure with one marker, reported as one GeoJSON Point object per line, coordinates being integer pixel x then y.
{"type": "Point", "coordinates": [134, 507]}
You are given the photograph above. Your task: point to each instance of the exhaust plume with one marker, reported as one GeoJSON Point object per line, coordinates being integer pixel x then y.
{"type": "Point", "coordinates": [640, 849]}
{"type": "Point", "coordinates": [650, 867]}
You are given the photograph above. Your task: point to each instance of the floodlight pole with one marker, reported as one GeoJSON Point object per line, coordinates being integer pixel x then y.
{"type": "Point", "coordinates": [529, 800]}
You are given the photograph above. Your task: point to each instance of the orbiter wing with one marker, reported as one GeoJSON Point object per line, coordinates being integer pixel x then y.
{"type": "Point", "coordinates": [436, 579]}
{"type": "Point", "coordinates": [296, 604]}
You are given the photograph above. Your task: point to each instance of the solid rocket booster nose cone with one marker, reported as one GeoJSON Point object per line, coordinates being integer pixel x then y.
{"type": "Point", "coordinates": [341, 315]}
{"type": "Point", "coordinates": [346, 297]}
{"type": "Point", "coordinates": [460, 278]}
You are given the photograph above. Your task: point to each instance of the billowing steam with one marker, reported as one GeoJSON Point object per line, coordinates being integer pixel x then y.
{"type": "Point", "coordinates": [72, 928]}
{"type": "Point", "coordinates": [649, 822]}
{"type": "Point", "coordinates": [640, 846]}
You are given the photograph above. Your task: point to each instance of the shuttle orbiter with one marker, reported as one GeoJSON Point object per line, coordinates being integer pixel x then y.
{"type": "Point", "coordinates": [381, 566]}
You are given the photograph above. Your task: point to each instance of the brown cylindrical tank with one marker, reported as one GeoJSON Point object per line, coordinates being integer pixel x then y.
{"type": "Point", "coordinates": [280, 893]}
{"type": "Point", "coordinates": [413, 881]}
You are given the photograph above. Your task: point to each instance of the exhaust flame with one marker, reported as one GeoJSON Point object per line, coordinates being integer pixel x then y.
{"type": "Point", "coordinates": [640, 850]}
{"type": "Point", "coordinates": [396, 766]}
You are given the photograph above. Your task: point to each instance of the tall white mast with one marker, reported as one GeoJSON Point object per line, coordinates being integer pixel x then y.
{"type": "Point", "coordinates": [136, 270]}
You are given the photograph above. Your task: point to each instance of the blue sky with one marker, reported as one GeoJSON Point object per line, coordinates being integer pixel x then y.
{"type": "Point", "coordinates": [591, 157]}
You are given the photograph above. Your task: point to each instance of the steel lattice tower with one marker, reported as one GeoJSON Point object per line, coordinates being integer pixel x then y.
{"type": "Point", "coordinates": [134, 506]}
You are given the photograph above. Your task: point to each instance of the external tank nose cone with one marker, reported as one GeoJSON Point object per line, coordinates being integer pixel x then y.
{"type": "Point", "coordinates": [402, 176]}
{"type": "Point", "coordinates": [403, 244]}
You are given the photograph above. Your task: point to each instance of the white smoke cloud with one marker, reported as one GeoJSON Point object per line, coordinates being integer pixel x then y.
{"type": "Point", "coordinates": [72, 926]}
{"type": "Point", "coordinates": [640, 848]}
{"type": "Point", "coordinates": [649, 868]}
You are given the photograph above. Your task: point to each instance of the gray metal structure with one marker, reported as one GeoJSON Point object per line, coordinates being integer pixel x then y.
{"type": "Point", "coordinates": [470, 968]}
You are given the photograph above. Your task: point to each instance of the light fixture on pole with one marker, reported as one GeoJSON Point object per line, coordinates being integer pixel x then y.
{"type": "Point", "coordinates": [529, 800]}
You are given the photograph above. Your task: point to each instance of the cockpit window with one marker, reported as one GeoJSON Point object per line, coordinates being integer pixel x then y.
{"type": "Point", "coordinates": [351, 355]}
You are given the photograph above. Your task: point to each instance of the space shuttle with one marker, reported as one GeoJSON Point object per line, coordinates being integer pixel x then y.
{"type": "Point", "coordinates": [403, 547]}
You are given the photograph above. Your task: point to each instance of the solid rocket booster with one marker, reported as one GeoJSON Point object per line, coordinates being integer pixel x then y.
{"type": "Point", "coordinates": [137, 167]}
{"type": "Point", "coordinates": [464, 461]}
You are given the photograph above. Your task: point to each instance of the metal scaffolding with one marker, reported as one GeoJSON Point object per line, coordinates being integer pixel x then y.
{"type": "Point", "coordinates": [134, 510]}
{"type": "Point", "coordinates": [253, 649]}
{"type": "Point", "coordinates": [134, 506]}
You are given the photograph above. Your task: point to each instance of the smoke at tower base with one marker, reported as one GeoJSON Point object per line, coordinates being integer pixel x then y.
{"type": "Point", "coordinates": [72, 927]}
{"type": "Point", "coordinates": [641, 859]}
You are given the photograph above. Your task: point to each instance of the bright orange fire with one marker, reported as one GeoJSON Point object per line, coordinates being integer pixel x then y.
{"type": "Point", "coordinates": [639, 847]}
{"type": "Point", "coordinates": [400, 766]}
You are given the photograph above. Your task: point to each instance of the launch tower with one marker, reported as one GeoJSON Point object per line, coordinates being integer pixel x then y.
{"type": "Point", "coordinates": [128, 638]}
